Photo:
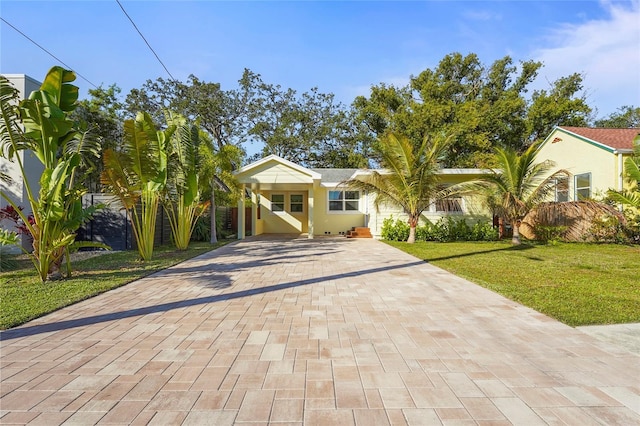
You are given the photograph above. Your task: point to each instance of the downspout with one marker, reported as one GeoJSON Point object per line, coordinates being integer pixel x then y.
{"type": "Point", "coordinates": [620, 176]}
{"type": "Point", "coordinates": [366, 208]}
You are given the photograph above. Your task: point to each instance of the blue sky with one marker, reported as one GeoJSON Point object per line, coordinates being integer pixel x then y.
{"type": "Point", "coordinates": [340, 47]}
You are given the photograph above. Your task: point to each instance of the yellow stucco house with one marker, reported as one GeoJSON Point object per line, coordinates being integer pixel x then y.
{"type": "Point", "coordinates": [594, 157]}
{"type": "Point", "coordinates": [287, 198]}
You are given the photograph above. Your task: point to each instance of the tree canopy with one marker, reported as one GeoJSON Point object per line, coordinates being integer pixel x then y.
{"type": "Point", "coordinates": [482, 107]}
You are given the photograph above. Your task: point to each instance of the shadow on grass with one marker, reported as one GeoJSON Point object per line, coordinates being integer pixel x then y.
{"type": "Point", "coordinates": [520, 247]}
{"type": "Point", "coordinates": [164, 307]}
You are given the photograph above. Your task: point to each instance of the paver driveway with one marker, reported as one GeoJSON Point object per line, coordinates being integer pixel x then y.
{"type": "Point", "coordinates": [325, 331]}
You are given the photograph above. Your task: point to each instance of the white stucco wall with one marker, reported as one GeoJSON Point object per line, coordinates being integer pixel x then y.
{"type": "Point", "coordinates": [33, 168]}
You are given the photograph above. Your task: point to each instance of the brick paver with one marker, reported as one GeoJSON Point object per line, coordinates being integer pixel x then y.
{"type": "Point", "coordinates": [318, 332]}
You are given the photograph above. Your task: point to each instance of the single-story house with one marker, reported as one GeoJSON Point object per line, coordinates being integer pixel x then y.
{"type": "Point", "coordinates": [289, 198]}
{"type": "Point", "coordinates": [594, 157]}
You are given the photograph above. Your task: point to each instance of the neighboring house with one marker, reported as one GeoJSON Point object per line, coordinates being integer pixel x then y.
{"type": "Point", "coordinates": [594, 157]}
{"type": "Point", "coordinates": [33, 167]}
{"type": "Point", "coordinates": [288, 198]}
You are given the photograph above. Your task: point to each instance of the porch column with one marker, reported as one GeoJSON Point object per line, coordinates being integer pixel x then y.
{"type": "Point", "coordinates": [241, 227]}
{"type": "Point", "coordinates": [254, 208]}
{"type": "Point", "coordinates": [310, 220]}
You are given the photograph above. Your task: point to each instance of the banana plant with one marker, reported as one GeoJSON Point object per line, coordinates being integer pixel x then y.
{"type": "Point", "coordinates": [182, 197]}
{"type": "Point", "coordinates": [137, 175]}
{"type": "Point", "coordinates": [41, 124]}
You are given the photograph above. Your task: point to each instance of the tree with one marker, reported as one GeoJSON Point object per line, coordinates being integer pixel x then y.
{"type": "Point", "coordinates": [104, 114]}
{"type": "Point", "coordinates": [311, 129]}
{"type": "Point", "coordinates": [136, 173]}
{"type": "Point", "coordinates": [63, 148]}
{"type": "Point", "coordinates": [481, 107]}
{"type": "Point", "coordinates": [560, 106]}
{"type": "Point", "coordinates": [624, 118]}
{"type": "Point", "coordinates": [410, 176]}
{"type": "Point", "coordinates": [217, 179]}
{"type": "Point", "coordinates": [182, 197]}
{"type": "Point", "coordinates": [517, 185]}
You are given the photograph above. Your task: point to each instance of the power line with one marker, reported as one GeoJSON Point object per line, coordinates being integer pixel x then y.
{"type": "Point", "coordinates": [49, 53]}
{"type": "Point", "coordinates": [145, 40]}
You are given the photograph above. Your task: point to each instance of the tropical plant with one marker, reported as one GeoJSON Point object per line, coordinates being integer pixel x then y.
{"type": "Point", "coordinates": [137, 174]}
{"type": "Point", "coordinates": [517, 185]}
{"type": "Point", "coordinates": [182, 196]}
{"type": "Point", "coordinates": [410, 176]}
{"type": "Point", "coordinates": [630, 196]}
{"type": "Point", "coordinates": [62, 146]}
{"type": "Point", "coordinates": [217, 179]}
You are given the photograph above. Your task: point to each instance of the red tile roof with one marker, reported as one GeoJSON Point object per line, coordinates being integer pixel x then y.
{"type": "Point", "coordinates": [614, 138]}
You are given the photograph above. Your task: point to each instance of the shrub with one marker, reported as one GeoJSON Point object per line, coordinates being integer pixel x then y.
{"type": "Point", "coordinates": [608, 229]}
{"type": "Point", "coordinates": [395, 231]}
{"type": "Point", "coordinates": [549, 234]}
{"type": "Point", "coordinates": [444, 230]}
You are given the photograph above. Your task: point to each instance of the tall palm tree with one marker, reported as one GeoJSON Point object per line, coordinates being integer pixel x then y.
{"type": "Point", "coordinates": [518, 184]}
{"type": "Point", "coordinates": [410, 177]}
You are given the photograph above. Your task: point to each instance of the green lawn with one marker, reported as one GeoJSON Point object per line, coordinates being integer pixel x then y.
{"type": "Point", "coordinates": [578, 284]}
{"type": "Point", "coordinates": [23, 297]}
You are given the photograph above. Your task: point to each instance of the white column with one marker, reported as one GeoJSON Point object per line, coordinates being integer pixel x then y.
{"type": "Point", "coordinates": [241, 228]}
{"type": "Point", "coordinates": [310, 194]}
{"type": "Point", "coordinates": [254, 209]}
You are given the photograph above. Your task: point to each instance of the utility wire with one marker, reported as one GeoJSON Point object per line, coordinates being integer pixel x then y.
{"type": "Point", "coordinates": [49, 53]}
{"type": "Point", "coordinates": [145, 40]}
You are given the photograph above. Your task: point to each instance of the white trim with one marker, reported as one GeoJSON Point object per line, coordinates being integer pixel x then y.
{"type": "Point", "coordinates": [280, 160]}
{"type": "Point", "coordinates": [284, 203]}
{"type": "Point", "coordinates": [343, 212]}
{"type": "Point", "coordinates": [575, 185]}
{"type": "Point", "coordinates": [301, 203]}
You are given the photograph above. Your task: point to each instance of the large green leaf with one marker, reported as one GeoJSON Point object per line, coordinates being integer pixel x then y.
{"type": "Point", "coordinates": [56, 83]}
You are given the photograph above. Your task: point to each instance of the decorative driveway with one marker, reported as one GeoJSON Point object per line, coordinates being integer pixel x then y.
{"type": "Point", "coordinates": [289, 331]}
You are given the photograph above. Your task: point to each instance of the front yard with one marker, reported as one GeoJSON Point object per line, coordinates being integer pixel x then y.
{"type": "Point", "coordinates": [578, 284]}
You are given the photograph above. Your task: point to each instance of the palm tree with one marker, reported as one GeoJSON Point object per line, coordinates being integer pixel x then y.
{"type": "Point", "coordinates": [518, 184]}
{"type": "Point", "coordinates": [216, 175]}
{"type": "Point", "coordinates": [410, 176]}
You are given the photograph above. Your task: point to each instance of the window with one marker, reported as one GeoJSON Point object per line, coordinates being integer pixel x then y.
{"type": "Point", "coordinates": [562, 189]}
{"type": "Point", "coordinates": [295, 203]}
{"type": "Point", "coordinates": [583, 186]}
{"type": "Point", "coordinates": [449, 205]}
{"type": "Point", "coordinates": [344, 201]}
{"type": "Point", "coordinates": [277, 202]}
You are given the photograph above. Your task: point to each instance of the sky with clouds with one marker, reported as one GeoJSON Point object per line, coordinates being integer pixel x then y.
{"type": "Point", "coordinates": [339, 47]}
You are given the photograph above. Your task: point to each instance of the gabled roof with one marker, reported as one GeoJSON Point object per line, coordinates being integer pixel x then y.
{"type": "Point", "coordinates": [615, 139]}
{"type": "Point", "coordinates": [312, 174]}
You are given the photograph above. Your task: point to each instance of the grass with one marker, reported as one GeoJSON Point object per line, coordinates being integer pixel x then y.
{"type": "Point", "coordinates": [23, 297]}
{"type": "Point", "coordinates": [578, 284]}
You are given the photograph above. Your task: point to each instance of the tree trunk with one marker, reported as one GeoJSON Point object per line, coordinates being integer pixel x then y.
{"type": "Point", "coordinates": [412, 234]}
{"type": "Point", "coordinates": [214, 234]}
{"type": "Point", "coordinates": [413, 223]}
{"type": "Point", "coordinates": [515, 240]}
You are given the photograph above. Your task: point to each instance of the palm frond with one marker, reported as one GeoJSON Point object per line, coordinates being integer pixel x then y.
{"type": "Point", "coordinates": [12, 138]}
